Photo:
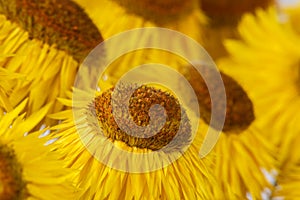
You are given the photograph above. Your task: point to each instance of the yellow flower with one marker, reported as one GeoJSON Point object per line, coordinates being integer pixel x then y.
{"type": "Point", "coordinates": [28, 168]}
{"type": "Point", "coordinates": [49, 40]}
{"type": "Point", "coordinates": [114, 17]}
{"type": "Point", "coordinates": [114, 164]}
{"type": "Point", "coordinates": [266, 63]}
{"type": "Point", "coordinates": [242, 152]}
{"type": "Point", "coordinates": [288, 180]}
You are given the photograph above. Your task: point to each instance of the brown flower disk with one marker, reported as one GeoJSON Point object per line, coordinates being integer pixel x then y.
{"type": "Point", "coordinates": [239, 108]}
{"type": "Point", "coordinates": [55, 22]}
{"type": "Point", "coordinates": [139, 104]}
{"type": "Point", "coordinates": [12, 185]}
{"type": "Point", "coordinates": [231, 10]}
{"type": "Point", "coordinates": [160, 12]}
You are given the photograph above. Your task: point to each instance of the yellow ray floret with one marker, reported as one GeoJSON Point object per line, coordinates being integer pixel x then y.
{"type": "Point", "coordinates": [28, 168]}
{"type": "Point", "coordinates": [9, 81]}
{"type": "Point", "coordinates": [289, 180]}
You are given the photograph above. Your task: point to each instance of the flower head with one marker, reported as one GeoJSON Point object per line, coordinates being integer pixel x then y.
{"type": "Point", "coordinates": [115, 17]}
{"type": "Point", "coordinates": [242, 151]}
{"type": "Point", "coordinates": [267, 55]}
{"type": "Point", "coordinates": [49, 39]}
{"type": "Point", "coordinates": [265, 61]}
{"type": "Point", "coordinates": [165, 165]}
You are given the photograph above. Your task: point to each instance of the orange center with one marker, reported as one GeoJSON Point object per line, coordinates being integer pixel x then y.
{"type": "Point", "coordinates": [239, 108]}
{"type": "Point", "coordinates": [62, 23]}
{"type": "Point", "coordinates": [158, 11]}
{"type": "Point", "coordinates": [231, 10]}
{"type": "Point", "coordinates": [11, 183]}
{"type": "Point", "coordinates": [140, 103]}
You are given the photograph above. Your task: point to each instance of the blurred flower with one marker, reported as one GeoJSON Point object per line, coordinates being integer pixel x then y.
{"type": "Point", "coordinates": [28, 168]}
{"type": "Point", "coordinates": [49, 38]}
{"type": "Point", "coordinates": [242, 151]}
{"type": "Point", "coordinates": [223, 17]}
{"type": "Point", "coordinates": [231, 11]}
{"type": "Point", "coordinates": [266, 63]}
{"type": "Point", "coordinates": [288, 180]}
{"type": "Point", "coordinates": [113, 17]}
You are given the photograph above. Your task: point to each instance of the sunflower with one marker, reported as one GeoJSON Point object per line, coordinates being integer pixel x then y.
{"type": "Point", "coordinates": [241, 153]}
{"type": "Point", "coordinates": [115, 164]}
{"type": "Point", "coordinates": [28, 168]}
{"type": "Point", "coordinates": [223, 17]}
{"type": "Point", "coordinates": [266, 63]}
{"type": "Point", "coordinates": [113, 17]}
{"type": "Point", "coordinates": [48, 39]}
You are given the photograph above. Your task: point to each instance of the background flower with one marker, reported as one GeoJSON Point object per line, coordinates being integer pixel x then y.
{"type": "Point", "coordinates": [266, 62]}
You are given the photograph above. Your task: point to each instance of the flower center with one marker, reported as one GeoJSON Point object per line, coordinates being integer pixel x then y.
{"type": "Point", "coordinates": [140, 103]}
{"type": "Point", "coordinates": [231, 11]}
{"type": "Point", "coordinates": [55, 22]}
{"type": "Point", "coordinates": [11, 183]}
{"type": "Point", "coordinates": [160, 12]}
{"type": "Point", "coordinates": [239, 108]}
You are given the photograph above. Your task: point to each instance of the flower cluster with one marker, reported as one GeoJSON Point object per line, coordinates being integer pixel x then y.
{"type": "Point", "coordinates": [86, 113]}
